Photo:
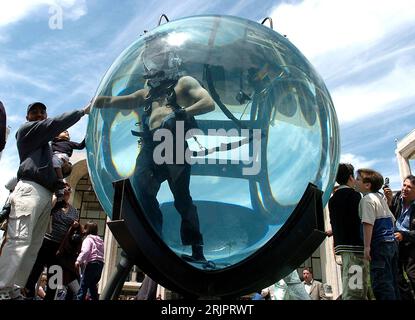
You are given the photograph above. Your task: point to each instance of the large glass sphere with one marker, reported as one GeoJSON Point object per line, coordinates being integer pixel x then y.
{"type": "Point", "coordinates": [267, 96]}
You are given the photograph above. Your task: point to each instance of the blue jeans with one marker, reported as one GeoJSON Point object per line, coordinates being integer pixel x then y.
{"type": "Point", "coordinates": [384, 270]}
{"type": "Point", "coordinates": [89, 280]}
{"type": "Point", "coordinates": [148, 178]}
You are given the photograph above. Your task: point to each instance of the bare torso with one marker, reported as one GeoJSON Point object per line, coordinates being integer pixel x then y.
{"type": "Point", "coordinates": [160, 110]}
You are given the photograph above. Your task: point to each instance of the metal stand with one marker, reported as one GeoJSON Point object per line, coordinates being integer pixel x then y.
{"type": "Point", "coordinates": [297, 239]}
{"type": "Point", "coordinates": [114, 286]}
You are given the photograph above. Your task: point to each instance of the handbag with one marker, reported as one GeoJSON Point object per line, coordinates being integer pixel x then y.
{"type": "Point", "coordinates": [76, 238]}
{"type": "Point", "coordinates": [70, 247]}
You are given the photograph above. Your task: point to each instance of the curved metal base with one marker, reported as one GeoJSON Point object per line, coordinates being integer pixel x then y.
{"type": "Point", "coordinates": [297, 239]}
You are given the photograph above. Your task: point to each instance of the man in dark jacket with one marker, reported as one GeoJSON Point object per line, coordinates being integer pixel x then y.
{"type": "Point", "coordinates": [402, 206]}
{"type": "Point", "coordinates": [31, 200]}
{"type": "Point", "coordinates": [346, 228]}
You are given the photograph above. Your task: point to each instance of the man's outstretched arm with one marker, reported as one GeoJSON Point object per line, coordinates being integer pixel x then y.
{"type": "Point", "coordinates": [130, 101]}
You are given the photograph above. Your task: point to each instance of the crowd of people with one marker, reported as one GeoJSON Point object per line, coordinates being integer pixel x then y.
{"type": "Point", "coordinates": [373, 232]}
{"type": "Point", "coordinates": [44, 149]}
{"type": "Point", "coordinates": [43, 237]}
{"type": "Point", "coordinates": [373, 229]}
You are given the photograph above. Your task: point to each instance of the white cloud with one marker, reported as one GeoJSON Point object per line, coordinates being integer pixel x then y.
{"type": "Point", "coordinates": [320, 26]}
{"type": "Point", "coordinates": [148, 18]}
{"type": "Point", "coordinates": [340, 38]}
{"type": "Point", "coordinates": [54, 47]}
{"type": "Point", "coordinates": [358, 161]}
{"type": "Point", "coordinates": [16, 10]}
{"type": "Point", "coordinates": [4, 38]}
{"type": "Point", "coordinates": [357, 101]}
{"type": "Point", "coordinates": [73, 9]}
{"type": "Point", "coordinates": [15, 118]}
{"type": "Point", "coordinates": [383, 167]}
{"type": "Point", "coordinates": [11, 75]}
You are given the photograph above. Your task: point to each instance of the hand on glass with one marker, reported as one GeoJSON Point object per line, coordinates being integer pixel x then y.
{"type": "Point", "coordinates": [87, 108]}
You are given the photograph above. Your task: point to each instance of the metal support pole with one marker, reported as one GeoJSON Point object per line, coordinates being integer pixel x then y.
{"type": "Point", "coordinates": [114, 286]}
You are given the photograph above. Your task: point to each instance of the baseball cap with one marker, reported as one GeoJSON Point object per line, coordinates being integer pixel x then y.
{"type": "Point", "coordinates": [35, 104]}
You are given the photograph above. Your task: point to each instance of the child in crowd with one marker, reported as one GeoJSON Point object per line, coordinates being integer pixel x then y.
{"type": "Point", "coordinates": [62, 149]}
{"type": "Point", "coordinates": [92, 256]}
{"type": "Point", "coordinates": [42, 287]}
{"type": "Point", "coordinates": [380, 245]}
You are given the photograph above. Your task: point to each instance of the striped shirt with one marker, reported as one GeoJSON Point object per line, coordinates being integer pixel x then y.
{"type": "Point", "coordinates": [61, 222]}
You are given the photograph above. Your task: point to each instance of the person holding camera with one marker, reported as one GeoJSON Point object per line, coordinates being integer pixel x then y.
{"type": "Point", "coordinates": [402, 206]}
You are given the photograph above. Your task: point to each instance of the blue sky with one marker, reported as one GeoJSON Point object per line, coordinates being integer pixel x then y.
{"type": "Point", "coordinates": [364, 51]}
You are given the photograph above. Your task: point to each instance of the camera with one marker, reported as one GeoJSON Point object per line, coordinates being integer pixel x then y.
{"type": "Point", "coordinates": [386, 184]}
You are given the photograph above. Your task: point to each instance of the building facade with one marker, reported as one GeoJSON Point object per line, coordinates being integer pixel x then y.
{"type": "Point", "coordinates": [405, 154]}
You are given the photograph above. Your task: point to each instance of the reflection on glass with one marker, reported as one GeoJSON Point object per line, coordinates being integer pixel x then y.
{"type": "Point", "coordinates": [273, 131]}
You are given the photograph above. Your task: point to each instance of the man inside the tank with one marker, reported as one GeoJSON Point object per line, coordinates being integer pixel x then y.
{"type": "Point", "coordinates": [169, 100]}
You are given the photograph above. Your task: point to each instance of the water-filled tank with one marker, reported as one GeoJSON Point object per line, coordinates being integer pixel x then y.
{"type": "Point", "coordinates": [268, 97]}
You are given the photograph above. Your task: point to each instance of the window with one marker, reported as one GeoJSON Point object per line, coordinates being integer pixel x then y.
{"type": "Point", "coordinates": [314, 263]}
{"type": "Point", "coordinates": [88, 205]}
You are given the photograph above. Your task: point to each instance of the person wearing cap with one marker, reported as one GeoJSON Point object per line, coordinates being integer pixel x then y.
{"type": "Point", "coordinates": [31, 201]}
